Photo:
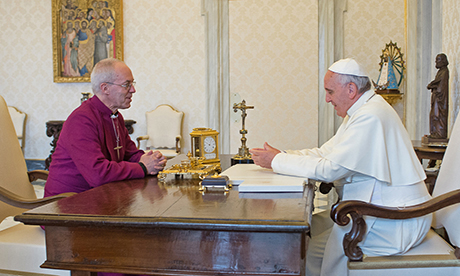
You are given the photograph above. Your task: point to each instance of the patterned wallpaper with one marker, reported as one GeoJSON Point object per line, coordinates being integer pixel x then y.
{"type": "Point", "coordinates": [163, 45]}
{"type": "Point", "coordinates": [273, 62]}
{"type": "Point", "coordinates": [450, 46]}
{"type": "Point", "coordinates": [369, 26]}
{"type": "Point", "coordinates": [274, 67]}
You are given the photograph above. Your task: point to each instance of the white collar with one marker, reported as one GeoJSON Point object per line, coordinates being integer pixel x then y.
{"type": "Point", "coordinates": [365, 97]}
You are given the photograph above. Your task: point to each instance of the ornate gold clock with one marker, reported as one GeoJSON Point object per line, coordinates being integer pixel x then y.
{"type": "Point", "coordinates": [205, 144]}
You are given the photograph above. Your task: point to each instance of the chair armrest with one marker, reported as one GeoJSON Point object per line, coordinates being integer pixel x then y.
{"type": "Point", "coordinates": [140, 138]}
{"type": "Point", "coordinates": [341, 211]}
{"type": "Point", "coordinates": [20, 202]}
{"type": "Point", "coordinates": [178, 138]}
{"type": "Point", "coordinates": [37, 174]}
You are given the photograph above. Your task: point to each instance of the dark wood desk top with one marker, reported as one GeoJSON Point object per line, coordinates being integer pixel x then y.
{"type": "Point", "coordinates": [171, 204]}
{"type": "Point", "coordinates": [145, 226]}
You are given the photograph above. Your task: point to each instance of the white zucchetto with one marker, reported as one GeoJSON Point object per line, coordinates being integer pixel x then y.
{"type": "Point", "coordinates": [348, 66]}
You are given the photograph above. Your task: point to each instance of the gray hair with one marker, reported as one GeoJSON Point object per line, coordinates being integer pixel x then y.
{"type": "Point", "coordinates": [363, 83]}
{"type": "Point", "coordinates": [103, 71]}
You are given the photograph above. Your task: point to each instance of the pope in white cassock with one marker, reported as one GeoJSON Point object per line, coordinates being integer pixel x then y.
{"type": "Point", "coordinates": [370, 158]}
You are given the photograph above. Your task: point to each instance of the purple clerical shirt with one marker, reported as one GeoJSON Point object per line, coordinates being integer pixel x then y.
{"type": "Point", "coordinates": [86, 154]}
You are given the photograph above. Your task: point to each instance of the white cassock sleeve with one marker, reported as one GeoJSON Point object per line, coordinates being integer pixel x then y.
{"type": "Point", "coordinates": [310, 166]}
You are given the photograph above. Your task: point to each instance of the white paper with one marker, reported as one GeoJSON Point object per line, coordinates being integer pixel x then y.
{"type": "Point", "coordinates": [258, 195]}
{"type": "Point", "coordinates": [8, 222]}
{"type": "Point", "coordinates": [252, 178]}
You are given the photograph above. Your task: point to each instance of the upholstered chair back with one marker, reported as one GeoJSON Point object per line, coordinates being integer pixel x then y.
{"type": "Point", "coordinates": [164, 131]}
{"type": "Point", "coordinates": [19, 122]}
{"type": "Point", "coordinates": [13, 170]}
{"type": "Point", "coordinates": [163, 125]}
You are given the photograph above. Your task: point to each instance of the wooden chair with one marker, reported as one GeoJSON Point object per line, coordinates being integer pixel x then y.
{"type": "Point", "coordinates": [435, 255]}
{"type": "Point", "coordinates": [164, 131]}
{"type": "Point", "coordinates": [19, 121]}
{"type": "Point", "coordinates": [22, 247]}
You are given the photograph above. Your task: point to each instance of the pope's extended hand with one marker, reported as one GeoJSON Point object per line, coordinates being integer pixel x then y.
{"type": "Point", "coordinates": [263, 157]}
{"type": "Point", "coordinates": [154, 161]}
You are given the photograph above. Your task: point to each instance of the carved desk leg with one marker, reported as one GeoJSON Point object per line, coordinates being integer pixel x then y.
{"type": "Point", "coordinates": [53, 129]}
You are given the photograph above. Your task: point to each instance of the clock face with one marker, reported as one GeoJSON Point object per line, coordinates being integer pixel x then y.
{"type": "Point", "coordinates": [209, 144]}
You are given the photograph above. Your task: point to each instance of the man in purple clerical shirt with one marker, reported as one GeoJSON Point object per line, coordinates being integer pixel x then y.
{"type": "Point", "coordinates": [94, 146]}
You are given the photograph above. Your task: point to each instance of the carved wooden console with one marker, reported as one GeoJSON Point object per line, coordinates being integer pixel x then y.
{"type": "Point", "coordinates": [53, 129]}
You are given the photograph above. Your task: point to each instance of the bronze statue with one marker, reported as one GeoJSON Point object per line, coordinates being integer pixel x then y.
{"type": "Point", "coordinates": [439, 99]}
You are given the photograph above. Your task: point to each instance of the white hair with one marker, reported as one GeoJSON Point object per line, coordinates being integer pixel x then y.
{"type": "Point", "coordinates": [103, 71]}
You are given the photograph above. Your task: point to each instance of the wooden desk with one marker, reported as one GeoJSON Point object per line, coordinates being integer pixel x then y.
{"type": "Point", "coordinates": [168, 228]}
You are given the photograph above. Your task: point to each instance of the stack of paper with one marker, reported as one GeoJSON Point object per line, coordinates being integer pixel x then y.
{"type": "Point", "coordinates": [252, 178]}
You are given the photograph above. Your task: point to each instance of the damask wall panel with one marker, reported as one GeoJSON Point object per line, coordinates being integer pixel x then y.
{"type": "Point", "coordinates": [167, 55]}
{"type": "Point", "coordinates": [273, 62]}
{"type": "Point", "coordinates": [26, 71]}
{"type": "Point", "coordinates": [163, 45]}
{"type": "Point", "coordinates": [274, 67]}
{"type": "Point", "coordinates": [369, 26]}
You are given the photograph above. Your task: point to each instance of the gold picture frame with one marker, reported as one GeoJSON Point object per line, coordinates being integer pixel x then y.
{"type": "Point", "coordinates": [84, 32]}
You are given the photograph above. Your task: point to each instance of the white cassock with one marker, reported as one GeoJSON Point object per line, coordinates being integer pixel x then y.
{"type": "Point", "coordinates": [371, 158]}
{"type": "Point", "coordinates": [449, 180]}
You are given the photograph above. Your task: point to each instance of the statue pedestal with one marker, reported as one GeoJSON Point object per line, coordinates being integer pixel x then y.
{"type": "Point", "coordinates": [387, 91]}
{"type": "Point", "coordinates": [426, 140]}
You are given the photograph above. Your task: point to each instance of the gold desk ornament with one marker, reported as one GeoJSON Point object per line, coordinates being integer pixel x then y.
{"type": "Point", "coordinates": [243, 155]}
{"type": "Point", "coordinates": [205, 144]}
{"type": "Point", "coordinates": [193, 166]}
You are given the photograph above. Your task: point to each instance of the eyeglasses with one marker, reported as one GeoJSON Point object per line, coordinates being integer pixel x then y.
{"type": "Point", "coordinates": [125, 85]}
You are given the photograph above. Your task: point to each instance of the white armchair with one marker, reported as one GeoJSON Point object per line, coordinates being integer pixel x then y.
{"type": "Point", "coordinates": [22, 247]}
{"type": "Point", "coordinates": [164, 131]}
{"type": "Point", "coordinates": [435, 255]}
{"type": "Point", "coordinates": [19, 122]}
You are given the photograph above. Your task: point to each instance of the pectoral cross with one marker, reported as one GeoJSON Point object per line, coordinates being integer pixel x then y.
{"type": "Point", "coordinates": [117, 136]}
{"type": "Point", "coordinates": [118, 148]}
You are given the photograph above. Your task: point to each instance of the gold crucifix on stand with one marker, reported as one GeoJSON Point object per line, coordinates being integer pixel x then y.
{"type": "Point", "coordinates": [243, 155]}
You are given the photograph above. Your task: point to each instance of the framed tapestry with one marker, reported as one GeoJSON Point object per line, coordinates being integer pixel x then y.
{"type": "Point", "coordinates": [84, 32]}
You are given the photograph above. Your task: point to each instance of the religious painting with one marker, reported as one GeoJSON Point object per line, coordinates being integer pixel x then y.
{"type": "Point", "coordinates": [85, 32]}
